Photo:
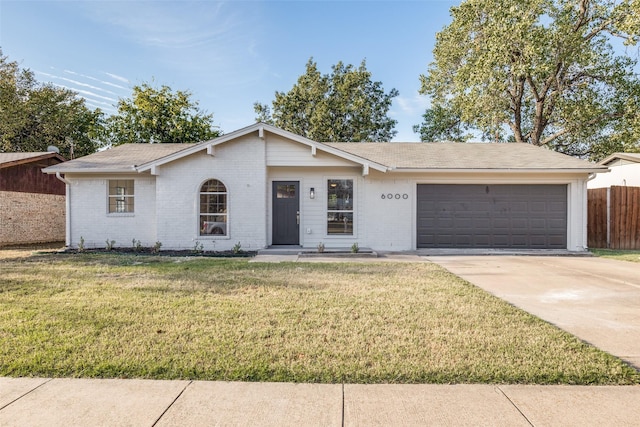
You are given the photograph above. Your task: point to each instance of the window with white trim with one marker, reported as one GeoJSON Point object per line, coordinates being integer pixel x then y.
{"type": "Point", "coordinates": [213, 208]}
{"type": "Point", "coordinates": [340, 207]}
{"type": "Point", "coordinates": [121, 196]}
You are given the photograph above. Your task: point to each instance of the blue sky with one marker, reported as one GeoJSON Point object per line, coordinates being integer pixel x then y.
{"type": "Point", "coordinates": [227, 54]}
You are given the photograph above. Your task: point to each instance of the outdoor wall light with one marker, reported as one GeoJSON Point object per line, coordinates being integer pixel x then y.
{"type": "Point", "coordinates": [312, 193]}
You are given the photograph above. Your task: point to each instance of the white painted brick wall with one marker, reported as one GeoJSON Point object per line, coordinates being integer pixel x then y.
{"type": "Point", "coordinates": [388, 212]}
{"type": "Point", "coordinates": [91, 221]}
{"type": "Point", "coordinates": [240, 166]}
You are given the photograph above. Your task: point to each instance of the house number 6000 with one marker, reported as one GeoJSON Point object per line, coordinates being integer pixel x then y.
{"type": "Point", "coordinates": [397, 196]}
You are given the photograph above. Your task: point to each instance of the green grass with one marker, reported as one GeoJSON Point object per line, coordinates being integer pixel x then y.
{"type": "Point", "coordinates": [127, 316]}
{"type": "Point", "coordinates": [621, 255]}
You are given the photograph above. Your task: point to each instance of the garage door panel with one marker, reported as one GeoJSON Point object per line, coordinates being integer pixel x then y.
{"type": "Point", "coordinates": [487, 216]}
{"type": "Point", "coordinates": [481, 223]}
{"type": "Point", "coordinates": [518, 223]}
{"type": "Point", "coordinates": [557, 207]}
{"type": "Point", "coordinates": [501, 223]}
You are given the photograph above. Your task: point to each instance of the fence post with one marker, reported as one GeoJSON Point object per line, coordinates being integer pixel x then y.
{"type": "Point", "coordinates": [608, 217]}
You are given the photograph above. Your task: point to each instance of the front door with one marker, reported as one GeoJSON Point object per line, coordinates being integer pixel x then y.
{"type": "Point", "coordinates": [286, 213]}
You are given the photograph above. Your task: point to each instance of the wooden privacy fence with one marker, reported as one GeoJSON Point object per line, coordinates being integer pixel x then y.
{"type": "Point", "coordinates": [614, 217]}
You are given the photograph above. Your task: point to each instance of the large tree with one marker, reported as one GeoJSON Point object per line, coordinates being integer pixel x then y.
{"type": "Point", "coordinates": [34, 116]}
{"type": "Point", "coordinates": [344, 106]}
{"type": "Point", "coordinates": [155, 115]}
{"type": "Point", "coordinates": [542, 72]}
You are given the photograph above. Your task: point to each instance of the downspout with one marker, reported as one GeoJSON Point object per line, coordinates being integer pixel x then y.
{"type": "Point", "coordinates": [67, 206]}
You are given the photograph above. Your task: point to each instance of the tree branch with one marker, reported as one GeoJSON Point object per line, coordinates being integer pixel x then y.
{"type": "Point", "coordinates": [587, 124]}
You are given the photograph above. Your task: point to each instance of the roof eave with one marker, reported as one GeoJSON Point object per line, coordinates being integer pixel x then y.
{"type": "Point", "coordinates": [33, 159]}
{"type": "Point", "coordinates": [91, 171]}
{"type": "Point", "coordinates": [501, 170]}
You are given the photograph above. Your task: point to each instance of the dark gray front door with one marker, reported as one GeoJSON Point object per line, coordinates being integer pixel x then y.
{"type": "Point", "coordinates": [286, 213]}
{"type": "Point", "coordinates": [492, 216]}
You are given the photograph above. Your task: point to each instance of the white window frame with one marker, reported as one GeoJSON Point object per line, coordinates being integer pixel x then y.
{"type": "Point", "coordinates": [123, 203]}
{"type": "Point", "coordinates": [224, 214]}
{"type": "Point", "coordinates": [352, 211]}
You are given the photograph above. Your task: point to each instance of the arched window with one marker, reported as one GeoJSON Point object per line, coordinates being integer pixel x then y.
{"type": "Point", "coordinates": [213, 208]}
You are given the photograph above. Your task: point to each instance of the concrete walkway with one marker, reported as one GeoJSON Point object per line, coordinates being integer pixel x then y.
{"type": "Point", "coordinates": [86, 402]}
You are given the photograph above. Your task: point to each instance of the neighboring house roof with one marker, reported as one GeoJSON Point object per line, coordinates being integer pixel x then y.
{"type": "Point", "coordinates": [379, 156]}
{"type": "Point", "coordinates": [13, 159]}
{"type": "Point", "coordinates": [630, 157]}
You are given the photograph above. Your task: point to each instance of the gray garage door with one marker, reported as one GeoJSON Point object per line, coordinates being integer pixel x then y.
{"type": "Point", "coordinates": [492, 216]}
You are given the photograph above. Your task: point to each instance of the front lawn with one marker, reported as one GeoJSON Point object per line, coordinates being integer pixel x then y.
{"type": "Point", "coordinates": [621, 255]}
{"type": "Point", "coordinates": [127, 316]}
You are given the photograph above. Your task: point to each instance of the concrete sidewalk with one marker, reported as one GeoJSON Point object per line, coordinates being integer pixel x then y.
{"type": "Point", "coordinates": [88, 402]}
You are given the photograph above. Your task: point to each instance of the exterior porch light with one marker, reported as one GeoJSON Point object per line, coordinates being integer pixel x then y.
{"type": "Point", "coordinates": [312, 193]}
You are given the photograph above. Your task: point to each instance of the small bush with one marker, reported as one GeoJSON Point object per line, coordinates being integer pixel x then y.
{"type": "Point", "coordinates": [237, 248]}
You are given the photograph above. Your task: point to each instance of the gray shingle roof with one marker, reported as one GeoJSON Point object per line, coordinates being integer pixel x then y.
{"type": "Point", "coordinates": [436, 156]}
{"type": "Point", "coordinates": [463, 156]}
{"type": "Point", "coordinates": [122, 158]}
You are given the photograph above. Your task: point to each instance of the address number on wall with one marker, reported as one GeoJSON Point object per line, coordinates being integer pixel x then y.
{"type": "Point", "coordinates": [396, 196]}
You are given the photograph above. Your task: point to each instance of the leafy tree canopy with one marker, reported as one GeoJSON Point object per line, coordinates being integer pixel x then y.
{"type": "Point", "coordinates": [34, 116]}
{"type": "Point", "coordinates": [155, 115]}
{"type": "Point", "coordinates": [542, 72]}
{"type": "Point", "coordinates": [344, 106]}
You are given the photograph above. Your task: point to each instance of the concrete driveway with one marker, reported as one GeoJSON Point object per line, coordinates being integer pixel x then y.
{"type": "Point", "coordinates": [595, 299]}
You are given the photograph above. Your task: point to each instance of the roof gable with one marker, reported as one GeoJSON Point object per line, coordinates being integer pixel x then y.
{"type": "Point", "coordinates": [261, 128]}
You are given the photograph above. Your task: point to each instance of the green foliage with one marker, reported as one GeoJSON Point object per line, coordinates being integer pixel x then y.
{"type": "Point", "coordinates": [155, 115]}
{"type": "Point", "coordinates": [198, 247]}
{"type": "Point", "coordinates": [537, 71]}
{"type": "Point", "coordinates": [110, 244]}
{"type": "Point", "coordinates": [355, 248]}
{"type": "Point", "coordinates": [237, 248]}
{"type": "Point", "coordinates": [137, 245]}
{"type": "Point", "coordinates": [34, 116]}
{"type": "Point", "coordinates": [632, 255]}
{"type": "Point", "coordinates": [344, 106]}
{"type": "Point", "coordinates": [441, 124]}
